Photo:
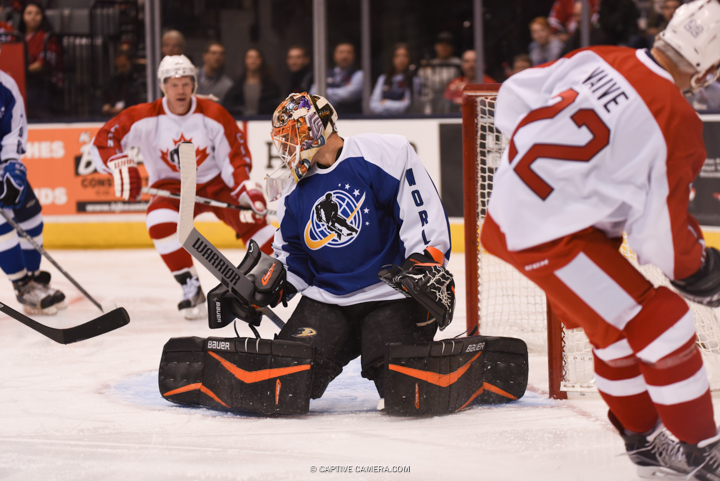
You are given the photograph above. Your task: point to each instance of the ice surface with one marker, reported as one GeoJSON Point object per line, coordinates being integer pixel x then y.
{"type": "Point", "coordinates": [92, 410]}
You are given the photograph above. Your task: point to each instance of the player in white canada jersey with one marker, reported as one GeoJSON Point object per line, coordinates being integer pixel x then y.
{"type": "Point", "coordinates": [223, 170]}
{"type": "Point", "coordinates": [602, 141]}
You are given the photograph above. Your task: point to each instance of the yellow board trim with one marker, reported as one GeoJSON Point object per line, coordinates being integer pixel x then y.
{"type": "Point", "coordinates": [123, 235]}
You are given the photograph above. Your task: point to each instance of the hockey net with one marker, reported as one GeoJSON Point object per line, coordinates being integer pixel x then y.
{"type": "Point", "coordinates": [503, 302]}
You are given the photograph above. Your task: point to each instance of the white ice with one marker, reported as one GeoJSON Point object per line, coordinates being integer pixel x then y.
{"type": "Point", "coordinates": [92, 410]}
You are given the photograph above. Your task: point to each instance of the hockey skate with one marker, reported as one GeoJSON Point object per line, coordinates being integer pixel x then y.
{"type": "Point", "coordinates": [38, 298]}
{"type": "Point", "coordinates": [656, 453]}
{"type": "Point", "coordinates": [704, 459]}
{"type": "Point", "coordinates": [192, 305]}
{"type": "Point", "coordinates": [43, 278]}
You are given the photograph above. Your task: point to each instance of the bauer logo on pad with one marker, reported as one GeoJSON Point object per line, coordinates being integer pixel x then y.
{"type": "Point", "coordinates": [221, 345]}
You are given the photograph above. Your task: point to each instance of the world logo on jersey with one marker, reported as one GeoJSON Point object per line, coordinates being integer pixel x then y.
{"type": "Point", "coordinates": [335, 220]}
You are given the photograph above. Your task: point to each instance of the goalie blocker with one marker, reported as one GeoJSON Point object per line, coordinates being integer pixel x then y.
{"type": "Point", "coordinates": [272, 377]}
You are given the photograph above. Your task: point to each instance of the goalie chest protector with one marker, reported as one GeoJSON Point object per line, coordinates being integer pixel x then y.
{"type": "Point", "coordinates": [258, 376]}
{"type": "Point", "coordinates": [450, 375]}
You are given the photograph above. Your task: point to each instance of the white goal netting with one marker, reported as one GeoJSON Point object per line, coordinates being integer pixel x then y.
{"type": "Point", "coordinates": [509, 304]}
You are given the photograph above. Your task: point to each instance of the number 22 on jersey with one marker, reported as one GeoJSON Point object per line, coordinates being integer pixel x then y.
{"type": "Point", "coordinates": [583, 118]}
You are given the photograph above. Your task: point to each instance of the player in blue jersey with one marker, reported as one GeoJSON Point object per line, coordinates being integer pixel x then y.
{"type": "Point", "coordinates": [354, 212]}
{"type": "Point", "coordinates": [18, 259]}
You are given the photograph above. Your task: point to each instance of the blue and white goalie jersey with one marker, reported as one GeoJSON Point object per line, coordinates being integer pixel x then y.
{"type": "Point", "coordinates": [340, 225]}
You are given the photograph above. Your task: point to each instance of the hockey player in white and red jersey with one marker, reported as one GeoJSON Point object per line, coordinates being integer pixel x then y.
{"type": "Point", "coordinates": [602, 141]}
{"type": "Point", "coordinates": [223, 160]}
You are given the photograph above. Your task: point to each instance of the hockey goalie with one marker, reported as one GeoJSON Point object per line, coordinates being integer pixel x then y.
{"type": "Point", "coordinates": [364, 239]}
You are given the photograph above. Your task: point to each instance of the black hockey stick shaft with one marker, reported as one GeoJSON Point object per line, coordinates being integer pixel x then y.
{"type": "Point", "coordinates": [100, 325]}
{"type": "Point", "coordinates": [200, 200]}
{"type": "Point", "coordinates": [42, 251]}
{"type": "Point", "coordinates": [198, 246]}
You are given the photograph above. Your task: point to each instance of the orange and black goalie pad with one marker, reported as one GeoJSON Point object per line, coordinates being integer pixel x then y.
{"type": "Point", "coordinates": [450, 375]}
{"type": "Point", "coordinates": [257, 376]}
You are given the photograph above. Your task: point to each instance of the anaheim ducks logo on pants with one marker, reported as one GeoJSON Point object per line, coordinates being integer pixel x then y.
{"type": "Point", "coordinates": [336, 219]}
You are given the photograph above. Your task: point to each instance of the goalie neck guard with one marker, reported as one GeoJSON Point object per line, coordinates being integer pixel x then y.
{"type": "Point", "coordinates": [301, 125]}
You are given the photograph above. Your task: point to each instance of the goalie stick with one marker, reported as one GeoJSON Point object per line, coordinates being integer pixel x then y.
{"type": "Point", "coordinates": [42, 251]}
{"type": "Point", "coordinates": [100, 325]}
{"type": "Point", "coordinates": [200, 200]}
{"type": "Point", "coordinates": [198, 246]}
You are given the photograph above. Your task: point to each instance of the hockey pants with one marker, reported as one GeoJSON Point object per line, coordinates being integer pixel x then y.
{"type": "Point", "coordinates": [163, 214]}
{"type": "Point", "coordinates": [647, 364]}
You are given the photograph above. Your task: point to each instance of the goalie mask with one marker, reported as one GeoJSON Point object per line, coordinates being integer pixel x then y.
{"type": "Point", "coordinates": [176, 66]}
{"type": "Point", "coordinates": [694, 32]}
{"type": "Point", "coordinates": [300, 126]}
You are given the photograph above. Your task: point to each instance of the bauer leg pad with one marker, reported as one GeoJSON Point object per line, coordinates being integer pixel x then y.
{"type": "Point", "coordinates": [450, 375]}
{"type": "Point", "coordinates": [257, 376]}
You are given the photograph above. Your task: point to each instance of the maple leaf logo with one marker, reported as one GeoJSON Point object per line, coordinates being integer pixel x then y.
{"type": "Point", "coordinates": [200, 154]}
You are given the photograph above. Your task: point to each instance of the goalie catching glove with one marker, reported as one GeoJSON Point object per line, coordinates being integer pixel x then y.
{"type": "Point", "coordinates": [703, 287]}
{"type": "Point", "coordinates": [268, 277]}
{"type": "Point", "coordinates": [428, 282]}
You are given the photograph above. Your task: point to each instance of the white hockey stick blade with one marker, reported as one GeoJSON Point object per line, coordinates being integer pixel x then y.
{"type": "Point", "coordinates": [194, 242]}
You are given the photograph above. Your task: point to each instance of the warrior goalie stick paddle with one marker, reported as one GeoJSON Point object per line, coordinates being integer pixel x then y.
{"type": "Point", "coordinates": [42, 251]}
{"type": "Point", "coordinates": [197, 245]}
{"type": "Point", "coordinates": [100, 325]}
{"type": "Point", "coordinates": [199, 200]}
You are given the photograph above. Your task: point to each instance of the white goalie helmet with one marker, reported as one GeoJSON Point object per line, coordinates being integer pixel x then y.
{"type": "Point", "coordinates": [176, 66]}
{"type": "Point", "coordinates": [694, 31]}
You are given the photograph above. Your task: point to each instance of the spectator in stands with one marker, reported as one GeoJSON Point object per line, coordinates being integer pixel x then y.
{"type": "Point", "coordinates": [574, 42]}
{"type": "Point", "coordinates": [44, 62]}
{"type": "Point", "coordinates": [345, 81]}
{"type": "Point", "coordinates": [255, 91]}
{"type": "Point", "coordinates": [545, 47]}
{"type": "Point", "coordinates": [564, 20]}
{"type": "Point", "coordinates": [172, 43]}
{"type": "Point", "coordinates": [437, 74]}
{"type": "Point", "coordinates": [453, 92]}
{"type": "Point", "coordinates": [301, 73]}
{"type": "Point", "coordinates": [520, 62]}
{"type": "Point", "coordinates": [396, 89]}
{"type": "Point", "coordinates": [618, 21]}
{"type": "Point", "coordinates": [657, 23]}
{"type": "Point", "coordinates": [212, 79]}
{"type": "Point", "coordinates": [123, 89]}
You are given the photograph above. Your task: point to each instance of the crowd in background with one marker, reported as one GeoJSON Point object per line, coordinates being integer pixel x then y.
{"type": "Point", "coordinates": [405, 85]}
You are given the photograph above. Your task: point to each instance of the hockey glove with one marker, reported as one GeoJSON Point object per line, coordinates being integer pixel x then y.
{"type": "Point", "coordinates": [224, 308]}
{"type": "Point", "coordinates": [126, 177]}
{"type": "Point", "coordinates": [268, 277]}
{"type": "Point", "coordinates": [426, 281]}
{"type": "Point", "coordinates": [703, 287]}
{"type": "Point", "coordinates": [249, 194]}
{"type": "Point", "coordinates": [14, 180]}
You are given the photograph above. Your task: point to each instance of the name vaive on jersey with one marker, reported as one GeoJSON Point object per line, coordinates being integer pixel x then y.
{"type": "Point", "coordinates": [601, 138]}
{"type": "Point", "coordinates": [339, 226]}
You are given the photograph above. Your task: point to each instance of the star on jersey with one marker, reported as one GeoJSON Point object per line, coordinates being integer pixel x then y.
{"type": "Point", "coordinates": [200, 154]}
{"type": "Point", "coordinates": [335, 220]}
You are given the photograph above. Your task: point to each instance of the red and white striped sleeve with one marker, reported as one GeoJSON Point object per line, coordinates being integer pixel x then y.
{"type": "Point", "coordinates": [110, 138]}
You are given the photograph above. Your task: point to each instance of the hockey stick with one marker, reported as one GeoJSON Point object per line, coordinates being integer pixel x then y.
{"type": "Point", "coordinates": [200, 200]}
{"type": "Point", "coordinates": [100, 325]}
{"type": "Point", "coordinates": [198, 246]}
{"type": "Point", "coordinates": [42, 251]}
